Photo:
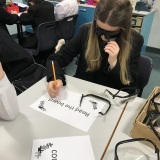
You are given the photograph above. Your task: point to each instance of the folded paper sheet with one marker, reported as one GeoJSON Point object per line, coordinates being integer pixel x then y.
{"type": "Point", "coordinates": [63, 148]}
{"type": "Point", "coordinates": [66, 108]}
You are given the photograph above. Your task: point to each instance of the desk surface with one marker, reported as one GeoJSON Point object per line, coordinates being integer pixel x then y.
{"type": "Point", "coordinates": [124, 128]}
{"type": "Point", "coordinates": [16, 137]}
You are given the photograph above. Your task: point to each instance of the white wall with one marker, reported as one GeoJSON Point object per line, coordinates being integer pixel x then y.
{"type": "Point", "coordinates": [154, 37]}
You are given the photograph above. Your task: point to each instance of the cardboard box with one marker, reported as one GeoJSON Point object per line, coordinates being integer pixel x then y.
{"type": "Point", "coordinates": [141, 130]}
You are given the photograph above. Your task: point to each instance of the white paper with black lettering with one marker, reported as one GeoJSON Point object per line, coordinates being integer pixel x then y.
{"type": "Point", "coordinates": [63, 148]}
{"type": "Point", "coordinates": [66, 108]}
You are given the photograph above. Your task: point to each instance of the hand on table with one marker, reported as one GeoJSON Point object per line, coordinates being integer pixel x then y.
{"type": "Point", "coordinates": [1, 72]}
{"type": "Point", "coordinates": [19, 14]}
{"type": "Point", "coordinates": [25, 11]}
{"type": "Point", "coordinates": [14, 12]}
{"type": "Point", "coordinates": [53, 90]}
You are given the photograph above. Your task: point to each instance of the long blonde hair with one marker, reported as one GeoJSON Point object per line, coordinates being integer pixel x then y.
{"type": "Point", "coordinates": [114, 13]}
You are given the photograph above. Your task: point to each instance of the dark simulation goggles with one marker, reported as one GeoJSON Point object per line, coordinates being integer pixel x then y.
{"type": "Point", "coordinates": [107, 34]}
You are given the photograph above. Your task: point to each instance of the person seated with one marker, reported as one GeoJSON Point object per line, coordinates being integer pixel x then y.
{"type": "Point", "coordinates": [8, 99]}
{"type": "Point", "coordinates": [108, 49]}
{"type": "Point", "coordinates": [14, 58]}
{"type": "Point", "coordinates": [39, 11]}
{"type": "Point", "coordinates": [66, 8]}
{"type": "Point", "coordinates": [6, 17]}
{"type": "Point", "coordinates": [143, 5]}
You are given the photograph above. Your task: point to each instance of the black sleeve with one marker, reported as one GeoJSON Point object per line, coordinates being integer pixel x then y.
{"type": "Point", "coordinates": [28, 18]}
{"type": "Point", "coordinates": [10, 50]}
{"type": "Point", "coordinates": [7, 18]}
{"type": "Point", "coordinates": [135, 56]}
{"type": "Point", "coordinates": [66, 54]}
{"type": "Point", "coordinates": [133, 63]}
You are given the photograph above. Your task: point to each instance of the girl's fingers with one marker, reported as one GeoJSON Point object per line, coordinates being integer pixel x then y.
{"type": "Point", "coordinates": [53, 90]}
{"type": "Point", "coordinates": [111, 51]}
{"type": "Point", "coordinates": [113, 43]}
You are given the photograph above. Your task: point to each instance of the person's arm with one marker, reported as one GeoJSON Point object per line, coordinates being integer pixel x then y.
{"type": "Point", "coordinates": [133, 64]}
{"type": "Point", "coordinates": [60, 61]}
{"type": "Point", "coordinates": [66, 54]}
{"type": "Point", "coordinates": [7, 18]}
{"type": "Point", "coordinates": [8, 99]}
{"type": "Point", "coordinates": [59, 11]}
{"type": "Point", "coordinates": [29, 17]}
{"type": "Point", "coordinates": [63, 57]}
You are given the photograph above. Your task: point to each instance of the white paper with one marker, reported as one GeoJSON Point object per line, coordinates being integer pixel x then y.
{"type": "Point", "coordinates": [66, 108]}
{"type": "Point", "coordinates": [63, 148]}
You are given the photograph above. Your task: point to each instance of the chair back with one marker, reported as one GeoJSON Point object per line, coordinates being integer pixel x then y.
{"type": "Point", "coordinates": [67, 26]}
{"type": "Point", "coordinates": [47, 36]}
{"type": "Point", "coordinates": [145, 68]}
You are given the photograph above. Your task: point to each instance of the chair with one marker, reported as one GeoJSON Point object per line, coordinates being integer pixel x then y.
{"type": "Point", "coordinates": [66, 27]}
{"type": "Point", "coordinates": [145, 68]}
{"type": "Point", "coordinates": [47, 37]}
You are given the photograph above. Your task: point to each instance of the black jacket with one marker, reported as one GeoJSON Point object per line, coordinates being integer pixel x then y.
{"type": "Point", "coordinates": [7, 18]}
{"type": "Point", "coordinates": [37, 14]}
{"type": "Point", "coordinates": [13, 57]}
{"type": "Point", "coordinates": [102, 76]}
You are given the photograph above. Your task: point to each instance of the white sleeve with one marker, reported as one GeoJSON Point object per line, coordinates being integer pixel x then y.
{"type": "Point", "coordinates": [8, 100]}
{"type": "Point", "coordinates": [59, 12]}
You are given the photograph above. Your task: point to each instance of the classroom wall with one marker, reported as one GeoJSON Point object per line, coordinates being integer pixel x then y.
{"type": "Point", "coordinates": [154, 37]}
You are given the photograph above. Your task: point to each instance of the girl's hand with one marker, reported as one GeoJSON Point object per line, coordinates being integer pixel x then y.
{"type": "Point", "coordinates": [53, 90]}
{"type": "Point", "coordinates": [14, 12]}
{"type": "Point", "coordinates": [112, 49]}
{"type": "Point", "coordinates": [1, 72]}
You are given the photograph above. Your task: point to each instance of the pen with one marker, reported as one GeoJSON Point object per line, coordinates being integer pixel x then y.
{"type": "Point", "coordinates": [54, 73]}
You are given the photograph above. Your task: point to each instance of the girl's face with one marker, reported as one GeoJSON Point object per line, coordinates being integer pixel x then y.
{"type": "Point", "coordinates": [107, 32]}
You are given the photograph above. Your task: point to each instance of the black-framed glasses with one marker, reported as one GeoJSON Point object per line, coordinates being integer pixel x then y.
{"type": "Point", "coordinates": [152, 118]}
{"type": "Point", "coordinates": [151, 121]}
{"type": "Point", "coordinates": [98, 97]}
{"type": "Point", "coordinates": [132, 92]}
{"type": "Point", "coordinates": [155, 100]}
{"type": "Point", "coordinates": [107, 34]}
{"type": "Point", "coordinates": [156, 150]}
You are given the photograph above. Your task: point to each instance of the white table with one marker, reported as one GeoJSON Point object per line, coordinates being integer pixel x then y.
{"type": "Point", "coordinates": [124, 128]}
{"type": "Point", "coordinates": [16, 137]}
